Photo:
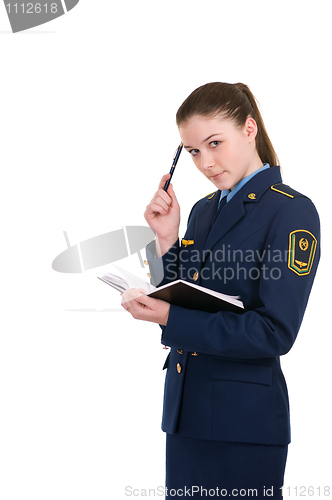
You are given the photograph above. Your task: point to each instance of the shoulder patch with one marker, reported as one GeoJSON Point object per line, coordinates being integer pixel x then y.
{"type": "Point", "coordinates": [302, 248]}
{"type": "Point", "coordinates": [286, 190]}
{"type": "Point", "coordinates": [210, 196]}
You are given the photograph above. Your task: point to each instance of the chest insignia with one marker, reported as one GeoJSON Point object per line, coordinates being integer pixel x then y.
{"type": "Point", "coordinates": [252, 196]}
{"type": "Point", "coordinates": [187, 242]}
{"type": "Point", "coordinates": [302, 248]}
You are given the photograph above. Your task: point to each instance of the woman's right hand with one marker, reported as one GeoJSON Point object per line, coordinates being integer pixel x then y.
{"type": "Point", "coordinates": [163, 216]}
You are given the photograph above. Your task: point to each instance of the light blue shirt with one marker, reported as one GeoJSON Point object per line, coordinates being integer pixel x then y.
{"type": "Point", "coordinates": [240, 184]}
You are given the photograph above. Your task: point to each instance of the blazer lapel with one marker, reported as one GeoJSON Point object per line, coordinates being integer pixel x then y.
{"type": "Point", "coordinates": [231, 213]}
{"type": "Point", "coordinates": [204, 220]}
{"type": "Point", "coordinates": [234, 210]}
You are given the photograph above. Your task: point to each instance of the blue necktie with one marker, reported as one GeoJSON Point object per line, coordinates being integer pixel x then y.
{"type": "Point", "coordinates": [221, 205]}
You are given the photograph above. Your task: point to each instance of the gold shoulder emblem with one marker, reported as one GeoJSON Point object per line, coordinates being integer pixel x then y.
{"type": "Point", "coordinates": [302, 248]}
{"type": "Point", "coordinates": [210, 196]}
{"type": "Point", "coordinates": [281, 188]}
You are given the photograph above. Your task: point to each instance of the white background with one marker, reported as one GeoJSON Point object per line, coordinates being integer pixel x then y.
{"type": "Point", "coordinates": [87, 128]}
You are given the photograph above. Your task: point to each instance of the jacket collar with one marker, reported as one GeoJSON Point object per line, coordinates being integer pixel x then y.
{"type": "Point", "coordinates": [256, 187]}
{"type": "Point", "coordinates": [233, 211]}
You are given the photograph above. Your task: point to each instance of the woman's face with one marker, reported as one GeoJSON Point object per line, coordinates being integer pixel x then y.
{"type": "Point", "coordinates": [224, 153]}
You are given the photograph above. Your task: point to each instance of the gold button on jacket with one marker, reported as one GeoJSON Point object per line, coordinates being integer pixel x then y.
{"type": "Point", "coordinates": [195, 277]}
{"type": "Point", "coordinates": [179, 368]}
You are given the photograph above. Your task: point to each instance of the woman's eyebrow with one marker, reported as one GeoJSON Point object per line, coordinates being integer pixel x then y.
{"type": "Point", "coordinates": [212, 135]}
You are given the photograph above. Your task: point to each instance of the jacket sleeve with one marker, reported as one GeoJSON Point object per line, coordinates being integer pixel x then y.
{"type": "Point", "coordinates": [269, 329]}
{"type": "Point", "coordinates": [163, 269]}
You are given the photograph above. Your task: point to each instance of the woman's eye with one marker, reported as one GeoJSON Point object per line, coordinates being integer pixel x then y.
{"type": "Point", "coordinates": [214, 143]}
{"type": "Point", "coordinates": [194, 152]}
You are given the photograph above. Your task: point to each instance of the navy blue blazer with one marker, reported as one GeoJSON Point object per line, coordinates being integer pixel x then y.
{"type": "Point", "coordinates": [224, 380]}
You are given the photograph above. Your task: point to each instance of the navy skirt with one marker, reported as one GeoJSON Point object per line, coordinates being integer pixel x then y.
{"type": "Point", "coordinates": [204, 469]}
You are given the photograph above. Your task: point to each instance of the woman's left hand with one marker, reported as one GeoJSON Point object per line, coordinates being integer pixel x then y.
{"type": "Point", "coordinates": [145, 308]}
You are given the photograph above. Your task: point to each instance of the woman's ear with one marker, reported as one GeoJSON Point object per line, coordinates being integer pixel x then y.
{"type": "Point", "coordinates": [250, 129]}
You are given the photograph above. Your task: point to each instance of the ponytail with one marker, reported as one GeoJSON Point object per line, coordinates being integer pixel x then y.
{"type": "Point", "coordinates": [232, 101]}
{"type": "Point", "coordinates": [264, 146]}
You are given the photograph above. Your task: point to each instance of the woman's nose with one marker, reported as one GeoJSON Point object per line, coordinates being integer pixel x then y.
{"type": "Point", "coordinates": [207, 160]}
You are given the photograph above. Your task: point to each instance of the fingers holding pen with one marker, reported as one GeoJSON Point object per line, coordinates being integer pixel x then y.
{"type": "Point", "coordinates": [163, 212]}
{"type": "Point", "coordinates": [163, 215]}
{"type": "Point", "coordinates": [163, 180]}
{"type": "Point", "coordinates": [162, 200]}
{"type": "Point", "coordinates": [159, 204]}
{"type": "Point", "coordinates": [171, 193]}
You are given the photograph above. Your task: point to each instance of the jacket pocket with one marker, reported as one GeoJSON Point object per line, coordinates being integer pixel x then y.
{"type": "Point", "coordinates": [243, 371]}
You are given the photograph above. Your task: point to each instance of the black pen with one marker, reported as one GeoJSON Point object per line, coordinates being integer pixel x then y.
{"type": "Point", "coordinates": [175, 160]}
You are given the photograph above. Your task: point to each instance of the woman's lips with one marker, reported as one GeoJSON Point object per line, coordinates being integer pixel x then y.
{"type": "Point", "coordinates": [217, 176]}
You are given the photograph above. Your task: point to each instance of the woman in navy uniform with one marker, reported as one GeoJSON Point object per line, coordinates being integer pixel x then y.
{"type": "Point", "coordinates": [226, 411]}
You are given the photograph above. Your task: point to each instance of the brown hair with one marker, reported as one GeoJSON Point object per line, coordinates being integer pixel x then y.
{"type": "Point", "coordinates": [234, 101]}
